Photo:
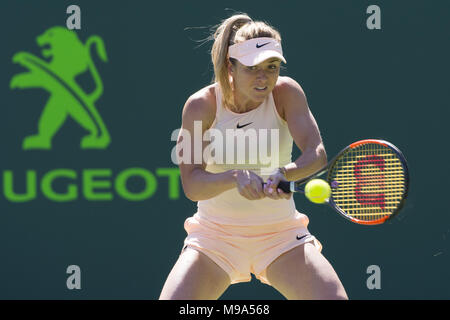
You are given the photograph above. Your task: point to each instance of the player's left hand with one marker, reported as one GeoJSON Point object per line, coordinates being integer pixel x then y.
{"type": "Point", "coordinates": [270, 187]}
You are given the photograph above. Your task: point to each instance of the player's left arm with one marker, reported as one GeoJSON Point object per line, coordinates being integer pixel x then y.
{"type": "Point", "coordinates": [303, 128]}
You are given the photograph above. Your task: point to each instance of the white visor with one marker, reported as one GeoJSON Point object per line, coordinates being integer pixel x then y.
{"type": "Point", "coordinates": [254, 51]}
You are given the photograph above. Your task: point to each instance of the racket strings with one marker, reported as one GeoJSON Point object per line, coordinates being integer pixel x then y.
{"type": "Point", "coordinates": [368, 182]}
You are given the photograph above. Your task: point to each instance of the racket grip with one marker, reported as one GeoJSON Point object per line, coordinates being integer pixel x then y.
{"type": "Point", "coordinates": [285, 186]}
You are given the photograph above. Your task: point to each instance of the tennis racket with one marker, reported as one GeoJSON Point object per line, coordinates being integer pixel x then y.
{"type": "Point", "coordinates": [369, 181]}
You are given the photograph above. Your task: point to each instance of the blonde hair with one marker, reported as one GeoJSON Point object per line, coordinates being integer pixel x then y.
{"type": "Point", "coordinates": [238, 28]}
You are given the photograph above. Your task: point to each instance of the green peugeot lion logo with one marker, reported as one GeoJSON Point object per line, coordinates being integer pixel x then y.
{"type": "Point", "coordinates": [69, 58]}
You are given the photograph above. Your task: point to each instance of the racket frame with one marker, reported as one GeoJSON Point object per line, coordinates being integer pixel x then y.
{"type": "Point", "coordinates": [295, 186]}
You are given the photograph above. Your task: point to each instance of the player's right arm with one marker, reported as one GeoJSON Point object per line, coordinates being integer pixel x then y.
{"type": "Point", "coordinates": [198, 184]}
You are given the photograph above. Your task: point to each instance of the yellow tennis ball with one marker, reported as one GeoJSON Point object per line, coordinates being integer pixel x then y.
{"type": "Point", "coordinates": [317, 191]}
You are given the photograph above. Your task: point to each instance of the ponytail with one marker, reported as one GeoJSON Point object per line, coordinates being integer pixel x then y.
{"type": "Point", "coordinates": [223, 38]}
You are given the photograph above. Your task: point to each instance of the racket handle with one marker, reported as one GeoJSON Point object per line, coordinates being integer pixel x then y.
{"type": "Point", "coordinates": [285, 186]}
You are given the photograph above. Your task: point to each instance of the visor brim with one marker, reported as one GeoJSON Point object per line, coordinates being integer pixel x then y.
{"type": "Point", "coordinates": [254, 59]}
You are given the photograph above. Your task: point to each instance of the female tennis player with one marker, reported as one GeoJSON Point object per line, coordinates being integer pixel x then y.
{"type": "Point", "coordinates": [243, 226]}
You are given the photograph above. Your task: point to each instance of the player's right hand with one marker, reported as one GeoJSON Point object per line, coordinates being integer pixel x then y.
{"type": "Point", "coordinates": [249, 185]}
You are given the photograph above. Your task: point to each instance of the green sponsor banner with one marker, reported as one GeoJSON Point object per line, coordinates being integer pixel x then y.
{"type": "Point", "coordinates": [96, 184]}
